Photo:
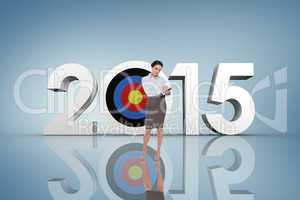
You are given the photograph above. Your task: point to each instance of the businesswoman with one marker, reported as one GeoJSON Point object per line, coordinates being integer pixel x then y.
{"type": "Point", "coordinates": [155, 87]}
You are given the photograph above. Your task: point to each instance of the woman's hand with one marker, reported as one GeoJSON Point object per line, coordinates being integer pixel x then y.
{"type": "Point", "coordinates": [167, 90]}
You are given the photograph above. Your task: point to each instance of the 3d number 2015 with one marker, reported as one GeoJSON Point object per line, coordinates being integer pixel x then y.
{"type": "Point", "coordinates": [221, 91]}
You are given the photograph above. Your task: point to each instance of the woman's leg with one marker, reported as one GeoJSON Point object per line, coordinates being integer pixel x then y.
{"type": "Point", "coordinates": [160, 182]}
{"type": "Point", "coordinates": [159, 142]}
{"type": "Point", "coordinates": [146, 178]}
{"type": "Point", "coordinates": [147, 136]}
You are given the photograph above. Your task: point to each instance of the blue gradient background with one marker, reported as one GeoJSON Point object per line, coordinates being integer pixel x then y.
{"type": "Point", "coordinates": [102, 34]}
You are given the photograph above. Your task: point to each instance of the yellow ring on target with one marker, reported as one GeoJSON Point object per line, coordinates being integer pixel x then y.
{"type": "Point", "coordinates": [135, 172]}
{"type": "Point", "coordinates": [135, 97]}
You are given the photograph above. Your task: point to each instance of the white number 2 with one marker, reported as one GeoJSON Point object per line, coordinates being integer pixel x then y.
{"type": "Point", "coordinates": [59, 81]}
{"type": "Point", "coordinates": [244, 108]}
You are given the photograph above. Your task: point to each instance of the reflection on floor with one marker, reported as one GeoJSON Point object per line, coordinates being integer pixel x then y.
{"type": "Point", "coordinates": [111, 165]}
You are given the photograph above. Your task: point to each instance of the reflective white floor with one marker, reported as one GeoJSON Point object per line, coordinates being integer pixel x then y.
{"type": "Point", "coordinates": [194, 167]}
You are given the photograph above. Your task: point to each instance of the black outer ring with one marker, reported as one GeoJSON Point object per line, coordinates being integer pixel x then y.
{"type": "Point", "coordinates": [110, 96]}
{"type": "Point", "coordinates": [112, 160]}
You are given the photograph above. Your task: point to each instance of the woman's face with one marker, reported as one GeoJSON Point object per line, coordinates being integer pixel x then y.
{"type": "Point", "coordinates": [155, 70]}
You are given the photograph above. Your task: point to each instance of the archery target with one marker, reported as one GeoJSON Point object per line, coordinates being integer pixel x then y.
{"type": "Point", "coordinates": [125, 173]}
{"type": "Point", "coordinates": [126, 98]}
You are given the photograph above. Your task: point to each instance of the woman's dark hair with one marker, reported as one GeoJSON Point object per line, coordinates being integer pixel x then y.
{"type": "Point", "coordinates": [157, 62]}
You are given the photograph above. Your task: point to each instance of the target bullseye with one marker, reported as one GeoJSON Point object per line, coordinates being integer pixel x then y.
{"type": "Point", "coordinates": [129, 173]}
{"type": "Point", "coordinates": [135, 97]}
{"type": "Point", "coordinates": [126, 98]}
{"type": "Point", "coordinates": [135, 172]}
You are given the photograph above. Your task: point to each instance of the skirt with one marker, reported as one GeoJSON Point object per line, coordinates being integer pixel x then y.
{"type": "Point", "coordinates": [155, 112]}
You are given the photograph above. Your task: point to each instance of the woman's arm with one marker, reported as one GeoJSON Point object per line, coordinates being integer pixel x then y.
{"type": "Point", "coordinates": [167, 87]}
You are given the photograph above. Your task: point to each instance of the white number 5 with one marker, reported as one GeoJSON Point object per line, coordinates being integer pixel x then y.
{"type": "Point", "coordinates": [244, 108]}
